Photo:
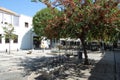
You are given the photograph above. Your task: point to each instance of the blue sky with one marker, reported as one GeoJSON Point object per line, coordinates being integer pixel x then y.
{"type": "Point", "coordinates": [25, 7]}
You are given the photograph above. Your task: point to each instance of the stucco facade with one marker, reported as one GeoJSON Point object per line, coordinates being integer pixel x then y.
{"type": "Point", "coordinates": [22, 28]}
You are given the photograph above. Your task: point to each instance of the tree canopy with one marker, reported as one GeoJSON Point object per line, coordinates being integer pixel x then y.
{"type": "Point", "coordinates": [40, 20]}
{"type": "Point", "coordinates": [94, 20]}
{"type": "Point", "coordinates": [84, 19]}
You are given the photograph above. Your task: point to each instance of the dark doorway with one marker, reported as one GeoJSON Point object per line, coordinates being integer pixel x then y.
{"type": "Point", "coordinates": [36, 42]}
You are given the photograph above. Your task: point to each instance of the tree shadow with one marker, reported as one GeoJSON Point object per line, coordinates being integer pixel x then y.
{"type": "Point", "coordinates": [34, 64]}
{"type": "Point", "coordinates": [54, 68]}
{"type": "Point", "coordinates": [104, 69]}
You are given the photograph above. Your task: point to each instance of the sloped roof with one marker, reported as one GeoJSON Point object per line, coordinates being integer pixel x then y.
{"type": "Point", "coordinates": [8, 11]}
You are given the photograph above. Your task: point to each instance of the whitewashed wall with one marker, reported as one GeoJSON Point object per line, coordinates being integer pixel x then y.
{"type": "Point", "coordinates": [24, 33]}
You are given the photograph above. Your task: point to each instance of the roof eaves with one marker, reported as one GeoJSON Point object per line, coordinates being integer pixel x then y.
{"type": "Point", "coordinates": [8, 11]}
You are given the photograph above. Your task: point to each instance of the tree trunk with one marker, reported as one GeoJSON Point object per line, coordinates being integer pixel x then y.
{"type": "Point", "coordinates": [51, 43]}
{"type": "Point", "coordinates": [10, 46]}
{"type": "Point", "coordinates": [85, 51]}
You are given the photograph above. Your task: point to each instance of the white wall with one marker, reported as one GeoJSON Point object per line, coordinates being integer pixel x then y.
{"type": "Point", "coordinates": [24, 33]}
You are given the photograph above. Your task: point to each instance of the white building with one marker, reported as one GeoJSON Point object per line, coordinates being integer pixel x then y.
{"type": "Point", "coordinates": [23, 29]}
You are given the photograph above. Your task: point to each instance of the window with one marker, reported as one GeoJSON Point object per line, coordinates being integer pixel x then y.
{"type": "Point", "coordinates": [16, 39]}
{"type": "Point", "coordinates": [7, 40]}
{"type": "Point", "coordinates": [1, 20]}
{"type": "Point", "coordinates": [7, 18]}
{"type": "Point", "coordinates": [26, 24]}
{"type": "Point", "coordinates": [0, 38]}
{"type": "Point", "coordinates": [16, 20]}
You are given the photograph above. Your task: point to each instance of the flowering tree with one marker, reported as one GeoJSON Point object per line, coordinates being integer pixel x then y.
{"type": "Point", "coordinates": [106, 20]}
{"type": "Point", "coordinates": [84, 19]}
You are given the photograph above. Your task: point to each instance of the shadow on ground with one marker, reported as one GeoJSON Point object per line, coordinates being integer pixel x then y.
{"type": "Point", "coordinates": [104, 69]}
{"type": "Point", "coordinates": [54, 68]}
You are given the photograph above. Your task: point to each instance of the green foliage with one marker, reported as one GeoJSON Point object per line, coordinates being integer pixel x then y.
{"type": "Point", "coordinates": [88, 20]}
{"type": "Point", "coordinates": [105, 21]}
{"type": "Point", "coordinates": [36, 0]}
{"type": "Point", "coordinates": [99, 20]}
{"type": "Point", "coordinates": [40, 20]}
{"type": "Point", "coordinates": [9, 32]}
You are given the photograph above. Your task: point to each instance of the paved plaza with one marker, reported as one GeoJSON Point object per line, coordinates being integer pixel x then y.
{"type": "Point", "coordinates": [23, 66]}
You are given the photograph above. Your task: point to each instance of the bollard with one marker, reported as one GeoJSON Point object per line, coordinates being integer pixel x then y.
{"type": "Point", "coordinates": [79, 55]}
{"type": "Point", "coordinates": [6, 50]}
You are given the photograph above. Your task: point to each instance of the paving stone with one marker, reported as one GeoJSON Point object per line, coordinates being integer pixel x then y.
{"type": "Point", "coordinates": [12, 76]}
{"type": "Point", "coordinates": [103, 70]}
